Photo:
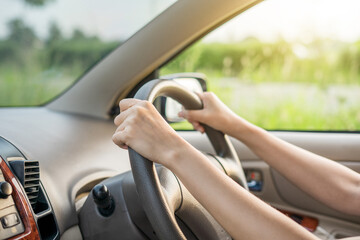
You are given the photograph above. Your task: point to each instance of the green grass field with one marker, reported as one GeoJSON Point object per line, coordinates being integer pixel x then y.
{"type": "Point", "coordinates": [31, 86]}
{"type": "Point", "coordinates": [269, 85]}
{"type": "Point", "coordinates": [273, 85]}
{"type": "Point", "coordinates": [281, 106]}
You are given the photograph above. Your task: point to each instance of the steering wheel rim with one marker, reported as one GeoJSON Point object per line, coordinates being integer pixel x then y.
{"type": "Point", "coordinates": [145, 176]}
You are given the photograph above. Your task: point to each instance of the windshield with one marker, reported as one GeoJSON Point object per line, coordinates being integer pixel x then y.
{"type": "Point", "coordinates": [45, 45]}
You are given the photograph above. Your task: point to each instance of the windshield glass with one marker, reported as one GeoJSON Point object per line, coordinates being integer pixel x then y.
{"type": "Point", "coordinates": [45, 45]}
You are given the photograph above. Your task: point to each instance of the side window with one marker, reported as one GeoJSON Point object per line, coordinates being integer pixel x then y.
{"type": "Point", "coordinates": [284, 65]}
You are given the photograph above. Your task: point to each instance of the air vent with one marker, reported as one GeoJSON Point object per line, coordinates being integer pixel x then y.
{"type": "Point", "coordinates": [31, 181]}
{"type": "Point", "coordinates": [28, 173]}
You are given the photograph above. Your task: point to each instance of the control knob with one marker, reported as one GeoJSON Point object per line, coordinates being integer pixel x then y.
{"type": "Point", "coordinates": [103, 200]}
{"type": "Point", "coordinates": [5, 189]}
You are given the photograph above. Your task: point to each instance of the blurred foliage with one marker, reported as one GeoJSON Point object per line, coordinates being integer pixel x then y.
{"type": "Point", "coordinates": [81, 52]}
{"type": "Point", "coordinates": [37, 2]}
{"type": "Point", "coordinates": [251, 60]}
{"type": "Point", "coordinates": [281, 85]}
{"type": "Point", "coordinates": [55, 34]}
{"type": "Point", "coordinates": [21, 34]}
{"type": "Point", "coordinates": [34, 70]}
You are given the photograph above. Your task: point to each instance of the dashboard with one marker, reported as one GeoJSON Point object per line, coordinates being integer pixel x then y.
{"type": "Point", "coordinates": [73, 153]}
{"type": "Point", "coordinates": [25, 210]}
{"type": "Point", "coordinates": [70, 154]}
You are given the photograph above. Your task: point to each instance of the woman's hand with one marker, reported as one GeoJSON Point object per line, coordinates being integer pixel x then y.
{"type": "Point", "coordinates": [214, 114]}
{"type": "Point", "coordinates": [142, 128]}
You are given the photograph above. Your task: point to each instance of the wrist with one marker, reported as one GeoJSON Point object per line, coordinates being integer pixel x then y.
{"type": "Point", "coordinates": [245, 131]}
{"type": "Point", "coordinates": [228, 123]}
{"type": "Point", "coordinates": [180, 156]}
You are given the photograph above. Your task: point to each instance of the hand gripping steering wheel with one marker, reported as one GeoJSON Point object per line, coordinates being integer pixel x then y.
{"type": "Point", "coordinates": [156, 206]}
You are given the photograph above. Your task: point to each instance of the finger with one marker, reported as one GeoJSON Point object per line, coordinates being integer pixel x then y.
{"type": "Point", "coordinates": [192, 115]}
{"type": "Point", "coordinates": [197, 126]}
{"type": "Point", "coordinates": [122, 117]}
{"type": "Point", "coordinates": [201, 95]}
{"type": "Point", "coordinates": [181, 114]}
{"type": "Point", "coordinates": [121, 127]}
{"type": "Point", "coordinates": [119, 139]}
{"type": "Point", "coordinates": [206, 95]}
{"type": "Point", "coordinates": [201, 129]}
{"type": "Point", "coordinates": [128, 103]}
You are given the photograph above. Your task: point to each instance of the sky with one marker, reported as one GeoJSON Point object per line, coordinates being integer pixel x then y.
{"type": "Point", "coordinates": [109, 19]}
{"type": "Point", "coordinates": [292, 20]}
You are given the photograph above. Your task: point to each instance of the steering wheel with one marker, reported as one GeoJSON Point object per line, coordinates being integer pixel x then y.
{"type": "Point", "coordinates": [157, 207]}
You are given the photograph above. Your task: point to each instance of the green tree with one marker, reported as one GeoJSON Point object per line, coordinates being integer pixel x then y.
{"type": "Point", "coordinates": [37, 2]}
{"type": "Point", "coordinates": [55, 34]}
{"type": "Point", "coordinates": [78, 35]}
{"type": "Point", "coordinates": [21, 34]}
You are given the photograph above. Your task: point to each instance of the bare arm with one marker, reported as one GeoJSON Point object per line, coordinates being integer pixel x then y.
{"type": "Point", "coordinates": [325, 180]}
{"type": "Point", "coordinates": [238, 211]}
{"type": "Point", "coordinates": [143, 129]}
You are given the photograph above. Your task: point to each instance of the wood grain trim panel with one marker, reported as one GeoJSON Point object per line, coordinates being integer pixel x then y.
{"type": "Point", "coordinates": [31, 232]}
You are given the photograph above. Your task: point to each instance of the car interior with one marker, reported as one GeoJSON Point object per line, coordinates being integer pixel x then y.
{"type": "Point", "coordinates": [62, 177]}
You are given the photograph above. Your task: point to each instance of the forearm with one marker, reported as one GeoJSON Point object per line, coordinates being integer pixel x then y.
{"type": "Point", "coordinates": [322, 178]}
{"type": "Point", "coordinates": [238, 211]}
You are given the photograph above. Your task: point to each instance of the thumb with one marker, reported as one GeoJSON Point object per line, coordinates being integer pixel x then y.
{"type": "Point", "coordinates": [192, 115]}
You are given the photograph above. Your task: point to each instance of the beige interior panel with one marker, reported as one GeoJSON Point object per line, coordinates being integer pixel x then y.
{"type": "Point", "coordinates": [297, 198]}
{"type": "Point", "coordinates": [72, 233]}
{"type": "Point", "coordinates": [329, 228]}
{"type": "Point", "coordinates": [279, 191]}
{"type": "Point", "coordinates": [282, 194]}
{"type": "Point", "coordinates": [335, 146]}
